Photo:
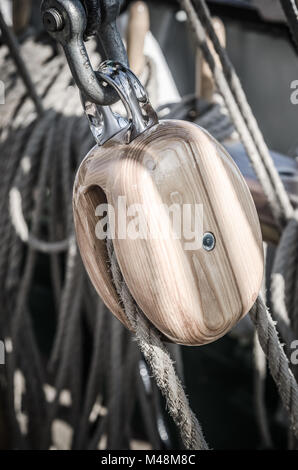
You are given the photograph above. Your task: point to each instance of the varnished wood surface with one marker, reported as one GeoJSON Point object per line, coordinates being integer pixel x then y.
{"type": "Point", "coordinates": [192, 296]}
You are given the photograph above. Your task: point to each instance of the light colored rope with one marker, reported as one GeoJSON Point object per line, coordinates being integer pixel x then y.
{"type": "Point", "coordinates": [277, 360]}
{"type": "Point", "coordinates": [252, 125]}
{"type": "Point", "coordinates": [69, 143]}
{"type": "Point", "coordinates": [160, 362]}
{"type": "Point", "coordinates": [245, 123]}
{"type": "Point", "coordinates": [148, 339]}
{"type": "Point", "coordinates": [260, 375]}
{"type": "Point", "coordinates": [284, 274]}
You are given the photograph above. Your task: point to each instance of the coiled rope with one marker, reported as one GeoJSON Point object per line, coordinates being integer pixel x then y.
{"type": "Point", "coordinates": [72, 290]}
{"type": "Point", "coordinates": [39, 158]}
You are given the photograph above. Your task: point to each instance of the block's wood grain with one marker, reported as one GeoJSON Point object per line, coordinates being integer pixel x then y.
{"type": "Point", "coordinates": [192, 296]}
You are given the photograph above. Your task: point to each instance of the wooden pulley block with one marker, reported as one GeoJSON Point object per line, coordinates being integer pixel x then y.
{"type": "Point", "coordinates": [184, 226]}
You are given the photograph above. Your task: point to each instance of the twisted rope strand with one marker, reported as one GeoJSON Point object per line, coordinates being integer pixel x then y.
{"type": "Point", "coordinates": [277, 360]}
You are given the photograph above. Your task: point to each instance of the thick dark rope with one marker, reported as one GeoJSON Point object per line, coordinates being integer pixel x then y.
{"type": "Point", "coordinates": [94, 377]}
{"type": "Point", "coordinates": [148, 417]}
{"type": "Point", "coordinates": [115, 381]}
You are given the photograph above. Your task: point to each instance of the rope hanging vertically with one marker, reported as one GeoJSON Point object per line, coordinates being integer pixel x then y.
{"type": "Point", "coordinates": [277, 360]}
{"type": "Point", "coordinates": [229, 86]}
{"type": "Point", "coordinates": [36, 201]}
{"type": "Point", "coordinates": [161, 364]}
{"type": "Point", "coordinates": [75, 303]}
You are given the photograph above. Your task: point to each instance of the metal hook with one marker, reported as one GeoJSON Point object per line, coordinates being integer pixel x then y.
{"type": "Point", "coordinates": [66, 21]}
{"type": "Point", "coordinates": [106, 124]}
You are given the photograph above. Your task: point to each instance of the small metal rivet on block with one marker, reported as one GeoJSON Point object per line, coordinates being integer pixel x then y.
{"type": "Point", "coordinates": [208, 241]}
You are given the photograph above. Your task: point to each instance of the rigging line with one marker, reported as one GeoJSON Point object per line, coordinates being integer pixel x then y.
{"type": "Point", "coordinates": [158, 357]}
{"type": "Point", "coordinates": [12, 44]}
